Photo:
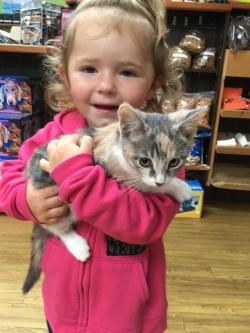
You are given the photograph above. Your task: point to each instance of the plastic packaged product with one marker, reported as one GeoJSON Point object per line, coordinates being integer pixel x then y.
{"type": "Point", "coordinates": [239, 33]}
{"type": "Point", "coordinates": [13, 132]}
{"type": "Point", "coordinates": [194, 42]}
{"type": "Point", "coordinates": [227, 142]}
{"type": "Point", "coordinates": [205, 60]}
{"type": "Point", "coordinates": [195, 156]}
{"type": "Point", "coordinates": [189, 101]}
{"type": "Point", "coordinates": [15, 95]}
{"type": "Point", "coordinates": [233, 100]}
{"type": "Point", "coordinates": [179, 58]}
{"type": "Point", "coordinates": [241, 139]}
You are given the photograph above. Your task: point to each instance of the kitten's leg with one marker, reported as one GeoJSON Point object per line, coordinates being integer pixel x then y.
{"type": "Point", "coordinates": [179, 189]}
{"type": "Point", "coordinates": [76, 244]}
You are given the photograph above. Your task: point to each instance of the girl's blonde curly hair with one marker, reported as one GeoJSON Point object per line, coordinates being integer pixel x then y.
{"type": "Point", "coordinates": [133, 11]}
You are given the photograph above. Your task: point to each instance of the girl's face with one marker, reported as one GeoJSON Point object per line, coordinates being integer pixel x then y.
{"type": "Point", "coordinates": [107, 67]}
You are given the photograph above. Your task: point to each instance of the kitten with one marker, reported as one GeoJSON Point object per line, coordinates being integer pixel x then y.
{"type": "Point", "coordinates": [142, 150]}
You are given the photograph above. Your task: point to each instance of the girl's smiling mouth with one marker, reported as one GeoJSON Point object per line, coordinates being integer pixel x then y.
{"type": "Point", "coordinates": [103, 107]}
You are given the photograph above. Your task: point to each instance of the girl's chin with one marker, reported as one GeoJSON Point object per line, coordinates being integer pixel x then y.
{"type": "Point", "coordinates": [102, 121]}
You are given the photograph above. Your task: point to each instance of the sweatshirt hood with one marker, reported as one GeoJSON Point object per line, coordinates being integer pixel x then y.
{"type": "Point", "coordinates": [69, 121]}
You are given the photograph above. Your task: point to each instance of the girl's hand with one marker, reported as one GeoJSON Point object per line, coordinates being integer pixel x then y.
{"type": "Point", "coordinates": [65, 147]}
{"type": "Point", "coordinates": [45, 204]}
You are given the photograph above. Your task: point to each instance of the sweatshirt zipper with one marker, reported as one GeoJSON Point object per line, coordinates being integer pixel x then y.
{"type": "Point", "coordinates": [84, 283]}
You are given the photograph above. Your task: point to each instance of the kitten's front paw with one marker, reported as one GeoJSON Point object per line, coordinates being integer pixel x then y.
{"type": "Point", "coordinates": [184, 194]}
{"type": "Point", "coordinates": [78, 247]}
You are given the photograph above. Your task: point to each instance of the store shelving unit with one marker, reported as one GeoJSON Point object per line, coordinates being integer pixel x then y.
{"type": "Point", "coordinates": [221, 170]}
{"type": "Point", "coordinates": [25, 60]}
{"type": "Point", "coordinates": [233, 172]}
{"type": "Point", "coordinates": [213, 21]}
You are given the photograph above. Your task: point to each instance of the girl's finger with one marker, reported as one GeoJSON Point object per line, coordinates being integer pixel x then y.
{"type": "Point", "coordinates": [58, 212]}
{"type": "Point", "coordinates": [45, 165]}
{"type": "Point", "coordinates": [72, 138]}
{"type": "Point", "coordinates": [86, 144]}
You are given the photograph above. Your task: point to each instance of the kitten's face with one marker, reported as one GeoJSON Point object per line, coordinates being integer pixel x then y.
{"type": "Point", "coordinates": [154, 145]}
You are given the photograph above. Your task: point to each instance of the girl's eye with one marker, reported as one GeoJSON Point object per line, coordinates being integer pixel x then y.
{"type": "Point", "coordinates": [128, 73]}
{"type": "Point", "coordinates": [145, 162]}
{"type": "Point", "coordinates": [174, 162]}
{"type": "Point", "coordinates": [89, 70]}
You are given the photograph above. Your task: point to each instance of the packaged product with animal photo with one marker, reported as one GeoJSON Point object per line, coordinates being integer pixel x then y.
{"type": "Point", "coordinates": [15, 95]}
{"type": "Point", "coordinates": [13, 132]}
{"type": "Point", "coordinates": [192, 208]}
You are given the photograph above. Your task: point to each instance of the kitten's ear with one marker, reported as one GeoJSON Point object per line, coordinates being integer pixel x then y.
{"type": "Point", "coordinates": [130, 120]}
{"type": "Point", "coordinates": [186, 121]}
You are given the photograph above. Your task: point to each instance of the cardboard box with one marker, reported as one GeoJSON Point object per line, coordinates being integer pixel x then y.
{"type": "Point", "coordinates": [192, 208]}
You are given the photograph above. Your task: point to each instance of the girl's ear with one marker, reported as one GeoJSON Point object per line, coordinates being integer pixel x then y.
{"type": "Point", "coordinates": [155, 86]}
{"type": "Point", "coordinates": [63, 75]}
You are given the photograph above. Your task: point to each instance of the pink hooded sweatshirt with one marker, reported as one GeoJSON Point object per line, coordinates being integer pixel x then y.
{"type": "Point", "coordinates": [121, 287]}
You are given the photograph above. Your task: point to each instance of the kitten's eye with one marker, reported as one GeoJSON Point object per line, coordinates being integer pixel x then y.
{"type": "Point", "coordinates": [174, 162]}
{"type": "Point", "coordinates": [145, 162]}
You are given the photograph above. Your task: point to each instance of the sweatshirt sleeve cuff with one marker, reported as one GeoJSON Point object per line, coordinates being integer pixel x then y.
{"type": "Point", "coordinates": [65, 169]}
{"type": "Point", "coordinates": [23, 208]}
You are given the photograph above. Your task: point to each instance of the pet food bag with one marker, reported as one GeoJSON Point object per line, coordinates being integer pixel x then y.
{"type": "Point", "coordinates": [15, 95]}
{"type": "Point", "coordinates": [13, 132]}
{"type": "Point", "coordinates": [189, 101]}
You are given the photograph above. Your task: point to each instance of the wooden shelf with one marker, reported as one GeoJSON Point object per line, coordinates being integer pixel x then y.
{"type": "Point", "coordinates": [232, 150]}
{"type": "Point", "coordinates": [238, 150]}
{"type": "Point", "coordinates": [202, 167]}
{"type": "Point", "coordinates": [241, 114]}
{"type": "Point", "coordinates": [231, 176]}
{"type": "Point", "coordinates": [17, 48]}
{"type": "Point", "coordinates": [9, 24]}
{"type": "Point", "coordinates": [237, 63]}
{"type": "Point", "coordinates": [239, 5]}
{"type": "Point", "coordinates": [209, 7]}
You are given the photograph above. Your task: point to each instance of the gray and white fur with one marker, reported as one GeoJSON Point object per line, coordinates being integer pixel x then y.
{"type": "Point", "coordinates": [142, 150]}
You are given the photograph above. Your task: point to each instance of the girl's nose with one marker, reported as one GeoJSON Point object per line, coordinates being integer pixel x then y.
{"type": "Point", "coordinates": [106, 84]}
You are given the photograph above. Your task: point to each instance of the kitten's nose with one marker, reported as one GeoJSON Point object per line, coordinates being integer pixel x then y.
{"type": "Point", "coordinates": [159, 179]}
{"type": "Point", "coordinates": [159, 183]}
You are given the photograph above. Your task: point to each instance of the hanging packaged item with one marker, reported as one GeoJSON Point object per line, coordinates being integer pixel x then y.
{"type": "Point", "coordinates": [15, 95]}
{"type": "Point", "coordinates": [179, 58]}
{"type": "Point", "coordinates": [194, 42]}
{"type": "Point", "coordinates": [239, 33]}
{"type": "Point", "coordinates": [205, 60]}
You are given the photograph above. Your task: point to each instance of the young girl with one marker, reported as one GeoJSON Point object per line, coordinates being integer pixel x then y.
{"type": "Point", "coordinates": [112, 52]}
